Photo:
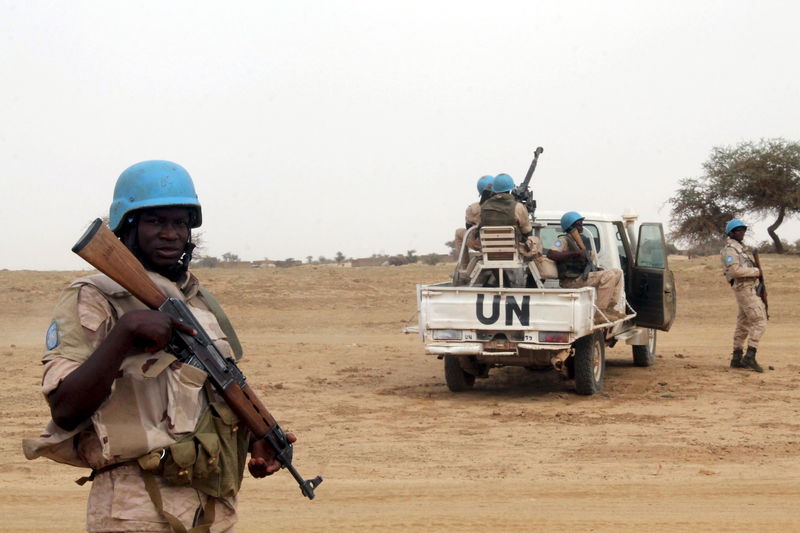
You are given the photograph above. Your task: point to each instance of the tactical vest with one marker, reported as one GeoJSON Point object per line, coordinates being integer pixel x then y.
{"type": "Point", "coordinates": [499, 210]}
{"type": "Point", "coordinates": [572, 267]}
{"type": "Point", "coordinates": [155, 403]}
{"type": "Point", "coordinates": [734, 254]}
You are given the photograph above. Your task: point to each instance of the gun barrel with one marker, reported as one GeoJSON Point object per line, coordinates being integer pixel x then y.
{"type": "Point", "coordinates": [532, 168]}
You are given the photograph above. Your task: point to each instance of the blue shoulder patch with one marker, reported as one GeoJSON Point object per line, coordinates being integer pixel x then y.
{"type": "Point", "coordinates": [557, 243]}
{"type": "Point", "coordinates": [729, 259]}
{"type": "Point", "coordinates": [51, 338]}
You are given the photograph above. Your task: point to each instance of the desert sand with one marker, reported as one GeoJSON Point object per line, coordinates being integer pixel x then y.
{"type": "Point", "coordinates": [685, 445]}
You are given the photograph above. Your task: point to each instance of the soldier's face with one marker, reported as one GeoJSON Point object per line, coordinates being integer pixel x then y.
{"type": "Point", "coordinates": [738, 234]}
{"type": "Point", "coordinates": [163, 234]}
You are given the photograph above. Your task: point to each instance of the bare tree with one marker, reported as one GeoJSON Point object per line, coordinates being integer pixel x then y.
{"type": "Point", "coordinates": [759, 179]}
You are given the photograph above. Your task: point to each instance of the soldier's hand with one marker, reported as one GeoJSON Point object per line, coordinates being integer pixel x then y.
{"type": "Point", "coordinates": [262, 458]}
{"type": "Point", "coordinates": [151, 329]}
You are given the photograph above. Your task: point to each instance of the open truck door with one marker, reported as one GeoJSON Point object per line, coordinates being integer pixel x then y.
{"type": "Point", "coordinates": [653, 285]}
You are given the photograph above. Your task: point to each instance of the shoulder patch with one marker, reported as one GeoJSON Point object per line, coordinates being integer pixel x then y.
{"type": "Point", "coordinates": [51, 337]}
{"type": "Point", "coordinates": [557, 243]}
{"type": "Point", "coordinates": [729, 259]}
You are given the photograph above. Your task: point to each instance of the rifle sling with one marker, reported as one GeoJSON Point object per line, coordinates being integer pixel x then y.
{"type": "Point", "coordinates": [224, 322]}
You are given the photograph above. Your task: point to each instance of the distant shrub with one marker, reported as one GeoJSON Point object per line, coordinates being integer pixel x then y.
{"type": "Point", "coordinates": [206, 261]}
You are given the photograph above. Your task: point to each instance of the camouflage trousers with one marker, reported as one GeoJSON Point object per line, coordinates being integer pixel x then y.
{"type": "Point", "coordinates": [473, 242]}
{"type": "Point", "coordinates": [119, 502]}
{"type": "Point", "coordinates": [607, 283]}
{"type": "Point", "coordinates": [751, 322]}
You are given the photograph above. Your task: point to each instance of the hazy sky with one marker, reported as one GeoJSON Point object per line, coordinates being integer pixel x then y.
{"type": "Point", "coordinates": [312, 127]}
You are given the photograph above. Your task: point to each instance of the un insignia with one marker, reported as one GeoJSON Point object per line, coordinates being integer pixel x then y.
{"type": "Point", "coordinates": [51, 338]}
{"type": "Point", "coordinates": [729, 259]}
{"type": "Point", "coordinates": [558, 243]}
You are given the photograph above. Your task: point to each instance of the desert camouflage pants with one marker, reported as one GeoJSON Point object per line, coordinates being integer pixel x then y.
{"type": "Point", "coordinates": [751, 322]}
{"type": "Point", "coordinates": [607, 283]}
{"type": "Point", "coordinates": [119, 502]}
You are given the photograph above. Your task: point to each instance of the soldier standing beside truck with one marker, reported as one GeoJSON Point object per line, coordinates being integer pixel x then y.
{"type": "Point", "coordinates": [164, 451]}
{"type": "Point", "coordinates": [576, 269]}
{"type": "Point", "coordinates": [746, 280]}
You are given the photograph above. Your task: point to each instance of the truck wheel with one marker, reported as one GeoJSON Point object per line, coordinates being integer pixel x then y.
{"type": "Point", "coordinates": [590, 364]}
{"type": "Point", "coordinates": [457, 380]}
{"type": "Point", "coordinates": [646, 355]}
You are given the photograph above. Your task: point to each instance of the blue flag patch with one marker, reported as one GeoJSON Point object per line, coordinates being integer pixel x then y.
{"type": "Point", "coordinates": [51, 338]}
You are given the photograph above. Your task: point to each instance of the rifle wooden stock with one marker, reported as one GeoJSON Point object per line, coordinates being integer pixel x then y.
{"type": "Point", "coordinates": [576, 236]}
{"type": "Point", "coordinates": [578, 240]}
{"type": "Point", "coordinates": [762, 289]}
{"type": "Point", "coordinates": [101, 249]}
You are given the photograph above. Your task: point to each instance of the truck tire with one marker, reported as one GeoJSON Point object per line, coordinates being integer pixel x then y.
{"type": "Point", "coordinates": [457, 380]}
{"type": "Point", "coordinates": [590, 364]}
{"type": "Point", "coordinates": [646, 355]}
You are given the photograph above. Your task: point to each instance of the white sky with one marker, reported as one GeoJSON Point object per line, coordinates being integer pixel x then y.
{"type": "Point", "coordinates": [311, 127]}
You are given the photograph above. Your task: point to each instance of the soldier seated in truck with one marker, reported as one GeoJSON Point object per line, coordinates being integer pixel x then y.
{"type": "Point", "coordinates": [576, 270]}
{"type": "Point", "coordinates": [472, 217]}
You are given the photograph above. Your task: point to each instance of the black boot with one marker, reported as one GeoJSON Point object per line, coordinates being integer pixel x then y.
{"type": "Point", "coordinates": [749, 360]}
{"type": "Point", "coordinates": [736, 358]}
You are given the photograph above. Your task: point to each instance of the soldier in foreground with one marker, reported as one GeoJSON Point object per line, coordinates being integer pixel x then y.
{"type": "Point", "coordinates": [575, 268]}
{"type": "Point", "coordinates": [165, 451]}
{"type": "Point", "coordinates": [746, 279]}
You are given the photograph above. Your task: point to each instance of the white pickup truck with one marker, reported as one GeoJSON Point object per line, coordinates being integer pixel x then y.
{"type": "Point", "coordinates": [534, 323]}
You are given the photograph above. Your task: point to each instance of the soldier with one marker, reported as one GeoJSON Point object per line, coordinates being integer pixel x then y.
{"type": "Point", "coordinates": [164, 449]}
{"type": "Point", "coordinates": [571, 263]}
{"type": "Point", "coordinates": [743, 276]}
{"type": "Point", "coordinates": [502, 209]}
{"type": "Point", "coordinates": [472, 217]}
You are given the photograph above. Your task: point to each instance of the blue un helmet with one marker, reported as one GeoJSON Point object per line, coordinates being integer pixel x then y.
{"type": "Point", "coordinates": [484, 183]}
{"type": "Point", "coordinates": [733, 224]}
{"type": "Point", "coordinates": [153, 184]}
{"type": "Point", "coordinates": [503, 183]}
{"type": "Point", "coordinates": [569, 219]}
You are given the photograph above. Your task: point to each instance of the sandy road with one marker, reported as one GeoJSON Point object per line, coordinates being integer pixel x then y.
{"type": "Point", "coordinates": [685, 445]}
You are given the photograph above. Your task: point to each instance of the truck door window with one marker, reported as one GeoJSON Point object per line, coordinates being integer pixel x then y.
{"type": "Point", "coordinates": [592, 230]}
{"type": "Point", "coordinates": [651, 248]}
{"type": "Point", "coordinates": [549, 234]}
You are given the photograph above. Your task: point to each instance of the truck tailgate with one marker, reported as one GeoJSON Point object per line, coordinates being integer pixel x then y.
{"type": "Point", "coordinates": [443, 306]}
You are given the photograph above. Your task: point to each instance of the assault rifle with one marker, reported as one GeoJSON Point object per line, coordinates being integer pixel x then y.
{"type": "Point", "coordinates": [522, 192]}
{"type": "Point", "coordinates": [761, 290]}
{"type": "Point", "coordinates": [590, 267]}
{"type": "Point", "coordinates": [106, 253]}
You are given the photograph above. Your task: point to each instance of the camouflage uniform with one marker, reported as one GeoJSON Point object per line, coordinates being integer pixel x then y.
{"type": "Point", "coordinates": [472, 217]}
{"type": "Point", "coordinates": [607, 283]}
{"type": "Point", "coordinates": [154, 402]}
{"type": "Point", "coordinates": [503, 209]}
{"type": "Point", "coordinates": [741, 273]}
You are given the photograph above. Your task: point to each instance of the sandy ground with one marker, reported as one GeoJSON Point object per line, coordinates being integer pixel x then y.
{"type": "Point", "coordinates": [685, 445]}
